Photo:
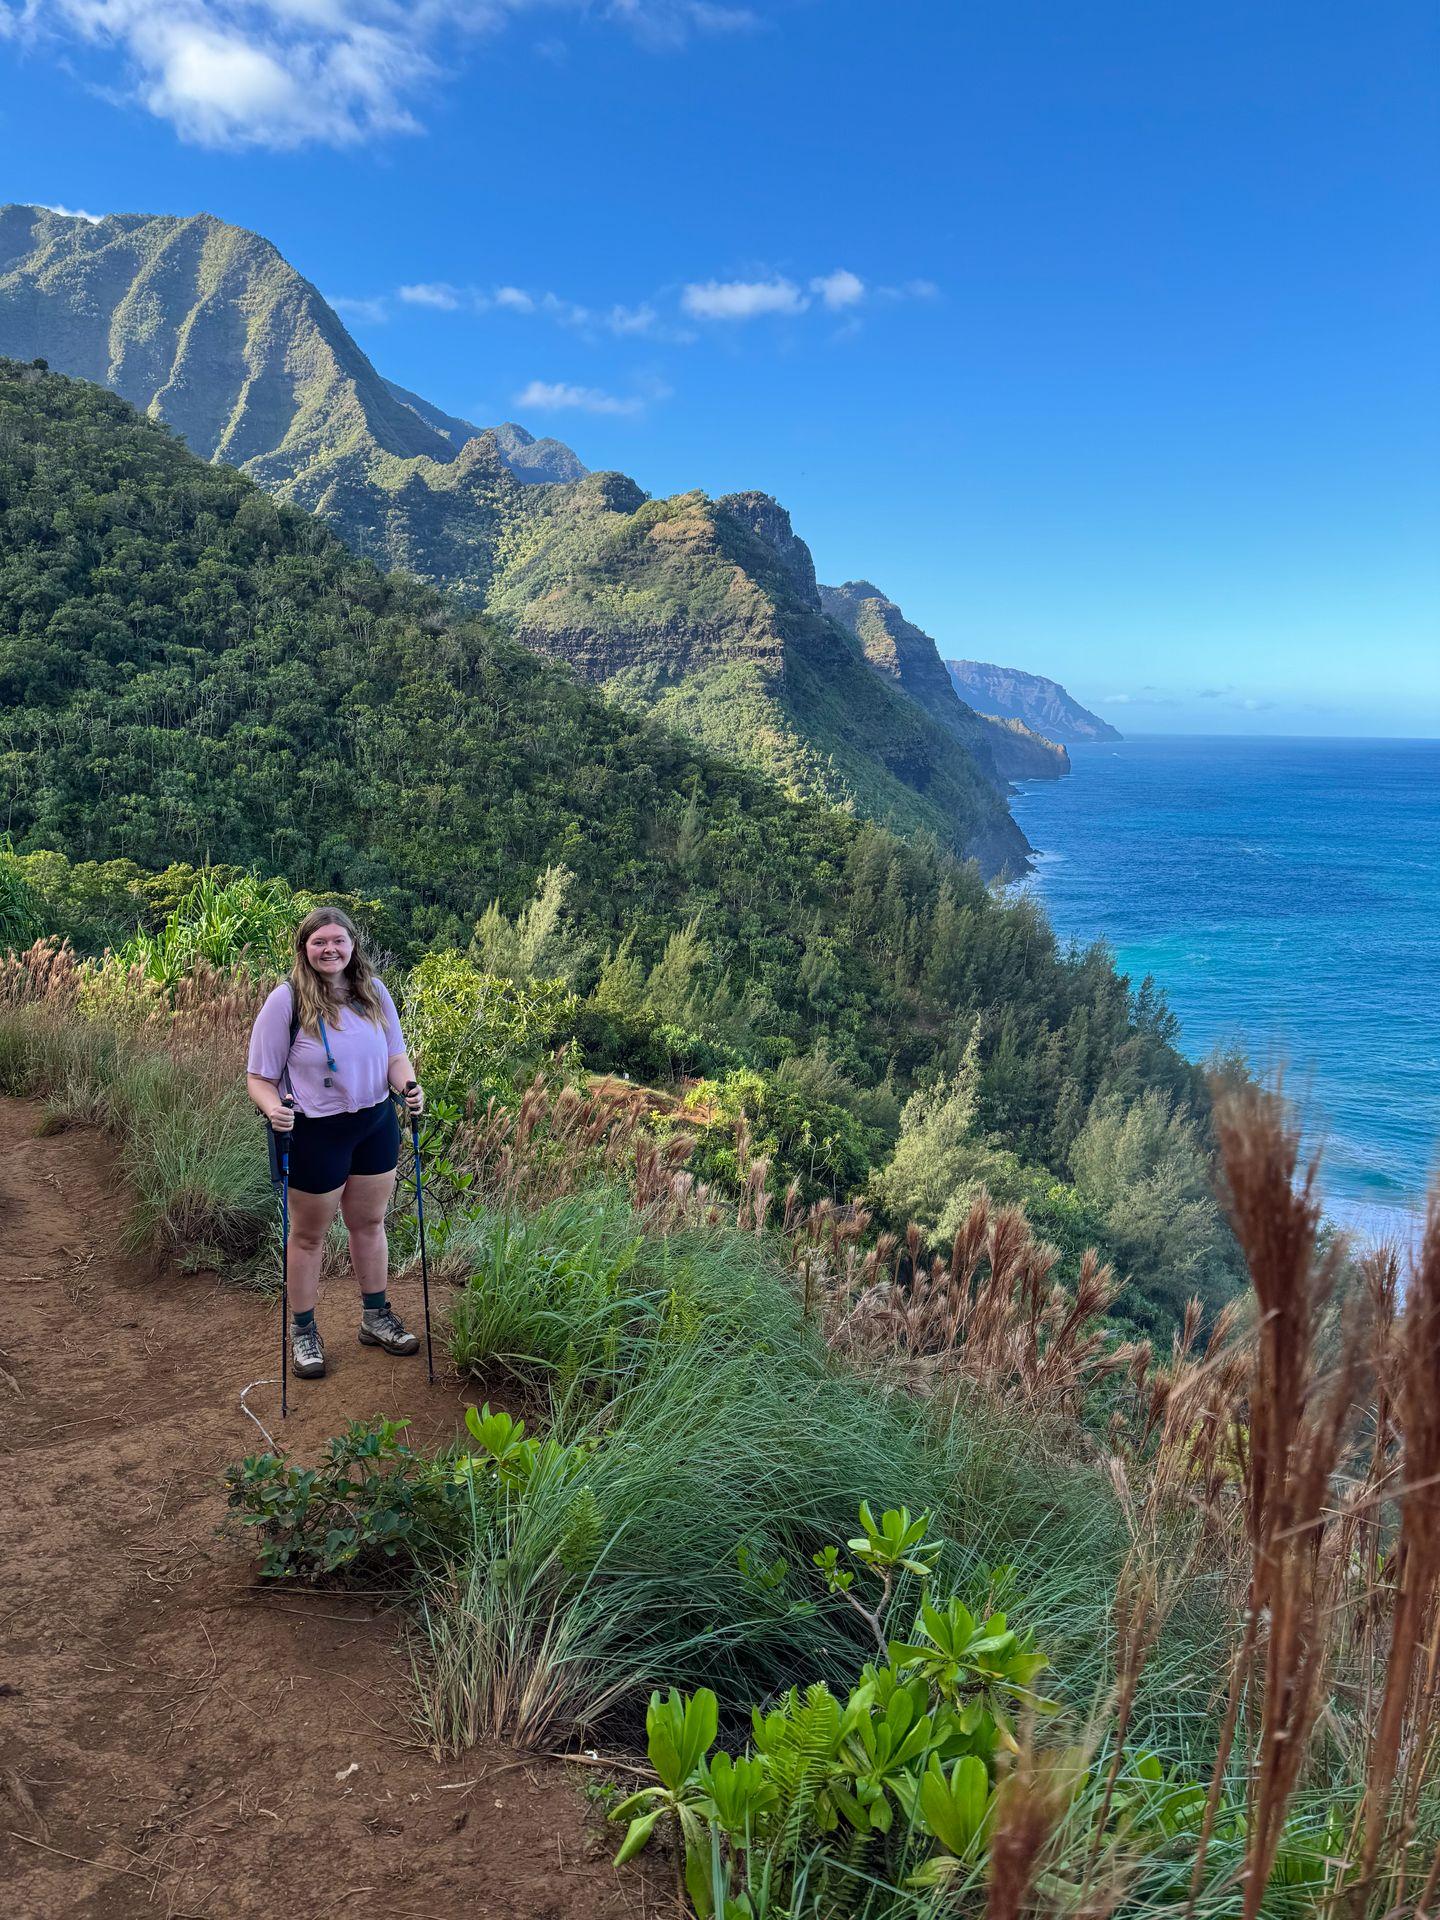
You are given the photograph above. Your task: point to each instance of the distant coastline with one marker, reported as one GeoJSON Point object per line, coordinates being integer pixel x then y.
{"type": "Point", "coordinates": [1282, 890]}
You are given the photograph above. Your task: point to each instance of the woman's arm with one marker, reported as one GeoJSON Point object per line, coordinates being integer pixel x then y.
{"type": "Point", "coordinates": [400, 1072]}
{"type": "Point", "coordinates": [402, 1076]}
{"type": "Point", "coordinates": [267, 1097]}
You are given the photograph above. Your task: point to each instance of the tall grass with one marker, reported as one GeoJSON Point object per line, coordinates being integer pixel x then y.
{"type": "Point", "coordinates": [168, 1088]}
{"type": "Point", "coordinates": [728, 1446]}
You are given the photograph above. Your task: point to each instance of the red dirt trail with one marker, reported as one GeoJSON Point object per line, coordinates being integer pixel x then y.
{"type": "Point", "coordinates": [171, 1725]}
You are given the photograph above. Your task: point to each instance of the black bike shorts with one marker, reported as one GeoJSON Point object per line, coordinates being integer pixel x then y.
{"type": "Point", "coordinates": [325, 1152]}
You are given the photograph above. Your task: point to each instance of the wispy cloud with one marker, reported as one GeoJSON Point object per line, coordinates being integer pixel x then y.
{"type": "Point", "coordinates": [560, 396]}
{"type": "Point", "coordinates": [840, 292]}
{"type": "Point", "coordinates": [514, 299]}
{"type": "Point", "coordinates": [643, 319]}
{"type": "Point", "coordinates": [365, 312]}
{"type": "Point", "coordinates": [1230, 697]}
{"type": "Point", "coordinates": [290, 73]}
{"type": "Point", "coordinates": [741, 299]}
{"type": "Point", "coordinates": [433, 293]}
{"type": "Point", "coordinates": [74, 213]}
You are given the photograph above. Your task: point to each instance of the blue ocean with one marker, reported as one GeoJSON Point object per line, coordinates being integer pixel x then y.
{"type": "Point", "coordinates": [1286, 894]}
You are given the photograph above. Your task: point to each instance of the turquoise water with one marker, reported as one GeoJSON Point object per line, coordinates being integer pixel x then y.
{"type": "Point", "coordinates": [1286, 894]}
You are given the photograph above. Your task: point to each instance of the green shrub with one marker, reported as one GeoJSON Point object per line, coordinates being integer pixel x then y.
{"type": "Point", "coordinates": [370, 1505]}
{"type": "Point", "coordinates": [22, 917]}
{"type": "Point", "coordinates": [818, 1144]}
{"type": "Point", "coordinates": [225, 922]}
{"type": "Point", "coordinates": [478, 1035]}
{"type": "Point", "coordinates": [549, 1293]}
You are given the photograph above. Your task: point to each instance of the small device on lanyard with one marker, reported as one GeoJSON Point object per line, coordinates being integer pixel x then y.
{"type": "Point", "coordinates": [330, 1066]}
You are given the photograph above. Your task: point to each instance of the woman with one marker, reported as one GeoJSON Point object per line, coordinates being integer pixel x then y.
{"type": "Point", "coordinates": [325, 1052]}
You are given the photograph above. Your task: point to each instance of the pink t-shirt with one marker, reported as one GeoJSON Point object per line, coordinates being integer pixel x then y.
{"type": "Point", "coordinates": [362, 1053]}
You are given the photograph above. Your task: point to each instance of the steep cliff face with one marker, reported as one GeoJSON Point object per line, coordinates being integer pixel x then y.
{"type": "Point", "coordinates": [900, 651]}
{"type": "Point", "coordinates": [1028, 698]}
{"type": "Point", "coordinates": [762, 515]}
{"type": "Point", "coordinates": [707, 612]}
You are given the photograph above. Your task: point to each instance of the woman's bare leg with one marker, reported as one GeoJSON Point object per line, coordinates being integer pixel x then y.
{"type": "Point", "coordinates": [310, 1217]}
{"type": "Point", "coordinates": [364, 1198]}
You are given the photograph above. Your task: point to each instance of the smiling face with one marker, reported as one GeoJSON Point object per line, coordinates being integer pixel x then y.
{"type": "Point", "coordinates": [328, 950]}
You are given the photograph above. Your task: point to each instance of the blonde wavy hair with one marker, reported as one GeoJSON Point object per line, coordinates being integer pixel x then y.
{"type": "Point", "coordinates": [316, 998]}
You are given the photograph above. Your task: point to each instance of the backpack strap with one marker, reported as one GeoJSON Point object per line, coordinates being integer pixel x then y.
{"type": "Point", "coordinates": [294, 1036]}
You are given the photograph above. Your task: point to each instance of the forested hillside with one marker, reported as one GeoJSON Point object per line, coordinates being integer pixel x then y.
{"type": "Point", "coordinates": [674, 604]}
{"type": "Point", "coordinates": [190, 671]}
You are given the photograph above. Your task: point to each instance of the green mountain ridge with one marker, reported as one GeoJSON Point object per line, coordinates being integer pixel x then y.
{"type": "Point", "coordinates": [903, 652]}
{"type": "Point", "coordinates": [673, 604]}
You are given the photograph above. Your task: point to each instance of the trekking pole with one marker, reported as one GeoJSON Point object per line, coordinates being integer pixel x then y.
{"type": "Point", "coordinates": [410, 1087]}
{"type": "Point", "coordinates": [280, 1151]}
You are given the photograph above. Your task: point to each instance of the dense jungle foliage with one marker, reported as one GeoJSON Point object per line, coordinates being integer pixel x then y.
{"type": "Point", "coordinates": [192, 673]}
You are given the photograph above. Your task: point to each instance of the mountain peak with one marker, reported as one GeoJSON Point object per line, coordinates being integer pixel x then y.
{"type": "Point", "coordinates": [207, 327]}
{"type": "Point", "coordinates": [762, 515]}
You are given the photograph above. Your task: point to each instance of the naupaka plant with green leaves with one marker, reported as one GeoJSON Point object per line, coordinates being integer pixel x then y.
{"type": "Point", "coordinates": [887, 1548]}
{"type": "Point", "coordinates": [513, 1459]}
{"type": "Point", "coordinates": [982, 1666]}
{"type": "Point", "coordinates": [895, 1777]}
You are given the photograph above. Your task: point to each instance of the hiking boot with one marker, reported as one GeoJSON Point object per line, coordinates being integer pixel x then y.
{"type": "Point", "coordinates": [383, 1327]}
{"type": "Point", "coordinates": [307, 1352]}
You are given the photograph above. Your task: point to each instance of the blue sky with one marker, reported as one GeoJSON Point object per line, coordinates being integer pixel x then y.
{"type": "Point", "coordinates": [1101, 336]}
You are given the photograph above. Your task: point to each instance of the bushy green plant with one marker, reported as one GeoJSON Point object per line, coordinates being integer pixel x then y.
{"type": "Point", "coordinates": [895, 1775]}
{"type": "Point", "coordinates": [819, 1145]}
{"type": "Point", "coordinates": [241, 921]}
{"type": "Point", "coordinates": [550, 1293]}
{"type": "Point", "coordinates": [941, 1158]}
{"type": "Point", "coordinates": [475, 1035]}
{"type": "Point", "coordinates": [893, 1783]}
{"type": "Point", "coordinates": [22, 917]}
{"type": "Point", "coordinates": [369, 1505]}
{"type": "Point", "coordinates": [540, 943]}
{"type": "Point", "coordinates": [1142, 1169]}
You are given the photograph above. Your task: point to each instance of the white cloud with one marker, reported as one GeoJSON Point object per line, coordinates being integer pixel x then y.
{"type": "Point", "coordinates": [559, 396]}
{"type": "Point", "coordinates": [619, 319]}
{"type": "Point", "coordinates": [370, 313]}
{"type": "Point", "coordinates": [742, 299]}
{"type": "Point", "coordinates": [74, 213]}
{"type": "Point", "coordinates": [433, 293]}
{"type": "Point", "coordinates": [670, 23]}
{"type": "Point", "coordinates": [839, 289]}
{"type": "Point", "coordinates": [639, 319]}
{"type": "Point", "coordinates": [840, 292]}
{"type": "Point", "coordinates": [287, 73]}
{"type": "Point", "coordinates": [908, 290]}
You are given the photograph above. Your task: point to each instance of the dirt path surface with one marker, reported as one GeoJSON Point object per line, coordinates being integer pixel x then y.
{"type": "Point", "coordinates": [174, 1741]}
